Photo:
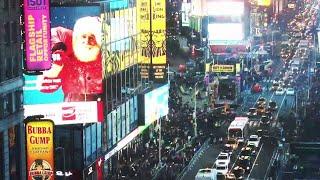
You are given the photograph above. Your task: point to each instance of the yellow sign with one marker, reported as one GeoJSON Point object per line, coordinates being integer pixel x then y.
{"type": "Point", "coordinates": [238, 68]}
{"type": "Point", "coordinates": [223, 68]}
{"type": "Point", "coordinates": [40, 149]}
{"type": "Point", "coordinates": [120, 40]}
{"type": "Point", "coordinates": [264, 2]}
{"type": "Point", "coordinates": [143, 25]}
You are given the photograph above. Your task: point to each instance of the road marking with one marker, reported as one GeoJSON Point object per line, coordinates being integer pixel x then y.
{"type": "Point", "coordinates": [277, 120]}
{"type": "Point", "coordinates": [255, 161]}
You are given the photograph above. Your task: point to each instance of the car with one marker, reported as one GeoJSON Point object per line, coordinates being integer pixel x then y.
{"type": "Point", "coordinates": [252, 112]}
{"type": "Point", "coordinates": [261, 101]}
{"type": "Point", "coordinates": [223, 157]}
{"type": "Point", "coordinates": [227, 148]}
{"type": "Point", "coordinates": [264, 120]}
{"type": "Point", "coordinates": [222, 168]}
{"type": "Point", "coordinates": [290, 91]}
{"type": "Point", "coordinates": [206, 173]}
{"type": "Point", "coordinates": [255, 140]}
{"type": "Point", "coordinates": [246, 152]}
{"type": "Point", "coordinates": [261, 110]}
{"type": "Point", "coordinates": [233, 143]}
{"type": "Point", "coordinates": [245, 163]}
{"type": "Point", "coordinates": [256, 88]}
{"type": "Point", "coordinates": [254, 149]}
{"type": "Point", "coordinates": [238, 172]}
{"type": "Point", "coordinates": [280, 91]}
{"type": "Point", "coordinates": [272, 106]}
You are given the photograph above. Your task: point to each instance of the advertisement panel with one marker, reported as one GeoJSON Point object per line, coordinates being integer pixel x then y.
{"type": "Point", "coordinates": [264, 2]}
{"type": "Point", "coordinates": [37, 35]}
{"type": "Point", "coordinates": [159, 100]}
{"type": "Point", "coordinates": [225, 8]}
{"type": "Point", "coordinates": [143, 26]}
{"type": "Point", "coordinates": [222, 68]}
{"type": "Point", "coordinates": [224, 48]}
{"type": "Point", "coordinates": [128, 115]}
{"type": "Point", "coordinates": [123, 120]}
{"type": "Point", "coordinates": [118, 124]}
{"type": "Point", "coordinates": [225, 33]}
{"type": "Point", "coordinates": [119, 40]}
{"type": "Point", "coordinates": [114, 127]}
{"type": "Point", "coordinates": [72, 89]}
{"type": "Point", "coordinates": [40, 149]}
{"type": "Point", "coordinates": [132, 115]}
{"type": "Point", "coordinates": [158, 41]}
{"type": "Point", "coordinates": [185, 14]}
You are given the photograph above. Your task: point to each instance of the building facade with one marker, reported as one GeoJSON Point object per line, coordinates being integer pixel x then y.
{"type": "Point", "coordinates": [12, 146]}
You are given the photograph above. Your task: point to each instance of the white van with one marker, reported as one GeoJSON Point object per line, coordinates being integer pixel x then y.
{"type": "Point", "coordinates": [206, 174]}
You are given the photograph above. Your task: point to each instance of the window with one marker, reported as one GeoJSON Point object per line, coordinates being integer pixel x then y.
{"type": "Point", "coordinates": [13, 4]}
{"type": "Point", "coordinates": [14, 156]}
{"type": "Point", "coordinates": [8, 65]}
{"type": "Point", "coordinates": [15, 66]}
{"type": "Point", "coordinates": [14, 31]}
{"type": "Point", "coordinates": [1, 157]}
{"type": "Point", "coordinates": [18, 100]}
{"type": "Point", "coordinates": [7, 104]}
{"type": "Point", "coordinates": [6, 38]}
{"type": "Point", "coordinates": [5, 4]}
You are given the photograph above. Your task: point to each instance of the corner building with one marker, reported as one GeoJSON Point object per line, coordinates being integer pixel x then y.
{"type": "Point", "coordinates": [12, 146]}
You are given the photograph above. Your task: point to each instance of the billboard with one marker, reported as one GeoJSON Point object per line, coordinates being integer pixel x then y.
{"type": "Point", "coordinates": [120, 42]}
{"type": "Point", "coordinates": [143, 26]}
{"type": "Point", "coordinates": [40, 149]}
{"type": "Point", "coordinates": [37, 35]}
{"type": "Point", "coordinates": [70, 92]}
{"type": "Point", "coordinates": [158, 40]}
{"type": "Point", "coordinates": [225, 33]}
{"type": "Point", "coordinates": [222, 68]}
{"type": "Point", "coordinates": [156, 104]}
{"type": "Point", "coordinates": [185, 14]}
{"type": "Point", "coordinates": [264, 2]}
{"type": "Point", "coordinates": [225, 8]}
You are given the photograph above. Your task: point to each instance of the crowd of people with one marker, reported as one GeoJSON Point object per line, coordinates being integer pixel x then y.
{"type": "Point", "coordinates": [178, 141]}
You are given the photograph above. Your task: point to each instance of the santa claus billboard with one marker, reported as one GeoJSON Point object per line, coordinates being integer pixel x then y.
{"type": "Point", "coordinates": [71, 90]}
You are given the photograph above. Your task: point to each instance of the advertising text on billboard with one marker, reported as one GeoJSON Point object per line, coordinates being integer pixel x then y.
{"type": "Point", "coordinates": [76, 72]}
{"type": "Point", "coordinates": [37, 34]}
{"type": "Point", "coordinates": [40, 149]}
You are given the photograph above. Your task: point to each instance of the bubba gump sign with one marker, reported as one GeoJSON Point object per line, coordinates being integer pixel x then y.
{"type": "Point", "coordinates": [40, 149]}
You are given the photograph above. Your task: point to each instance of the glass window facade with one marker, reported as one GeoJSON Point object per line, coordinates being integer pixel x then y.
{"type": "Point", "coordinates": [1, 157]}
{"type": "Point", "coordinates": [14, 152]}
{"type": "Point", "coordinates": [93, 142]}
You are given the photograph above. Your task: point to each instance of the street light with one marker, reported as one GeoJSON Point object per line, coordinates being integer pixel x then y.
{"type": "Point", "coordinates": [195, 110]}
{"type": "Point", "coordinates": [64, 161]}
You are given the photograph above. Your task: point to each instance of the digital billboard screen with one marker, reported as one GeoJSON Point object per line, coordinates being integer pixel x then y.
{"type": "Point", "coordinates": [40, 149]}
{"type": "Point", "coordinates": [37, 35]}
{"type": "Point", "coordinates": [225, 33]}
{"type": "Point", "coordinates": [225, 8]}
{"type": "Point", "coordinates": [156, 104]}
{"type": "Point", "coordinates": [70, 91]}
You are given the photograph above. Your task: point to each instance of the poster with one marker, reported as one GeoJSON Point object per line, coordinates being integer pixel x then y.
{"type": "Point", "coordinates": [40, 149]}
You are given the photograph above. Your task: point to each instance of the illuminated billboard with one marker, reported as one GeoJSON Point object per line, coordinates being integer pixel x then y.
{"type": "Point", "coordinates": [40, 149]}
{"type": "Point", "coordinates": [120, 48]}
{"type": "Point", "coordinates": [156, 104]}
{"type": "Point", "coordinates": [264, 2]}
{"type": "Point", "coordinates": [158, 40]}
{"type": "Point", "coordinates": [225, 8]}
{"type": "Point", "coordinates": [222, 68]}
{"type": "Point", "coordinates": [37, 35]}
{"type": "Point", "coordinates": [143, 26]}
{"type": "Point", "coordinates": [70, 92]}
{"type": "Point", "coordinates": [225, 33]}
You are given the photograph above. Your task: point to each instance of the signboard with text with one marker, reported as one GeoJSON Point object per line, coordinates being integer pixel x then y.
{"type": "Point", "coordinates": [223, 68]}
{"type": "Point", "coordinates": [40, 149]}
{"type": "Point", "coordinates": [37, 34]}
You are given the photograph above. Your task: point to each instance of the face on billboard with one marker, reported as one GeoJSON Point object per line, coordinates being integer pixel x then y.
{"type": "Point", "coordinates": [156, 104]}
{"type": "Point", "coordinates": [76, 72]}
{"type": "Point", "coordinates": [40, 149]}
{"type": "Point", "coordinates": [37, 34]}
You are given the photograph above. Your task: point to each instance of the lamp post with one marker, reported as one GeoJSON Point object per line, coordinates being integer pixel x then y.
{"type": "Point", "coordinates": [195, 110]}
{"type": "Point", "coordinates": [64, 161]}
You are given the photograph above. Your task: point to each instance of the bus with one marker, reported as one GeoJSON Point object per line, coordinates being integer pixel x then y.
{"type": "Point", "coordinates": [239, 129]}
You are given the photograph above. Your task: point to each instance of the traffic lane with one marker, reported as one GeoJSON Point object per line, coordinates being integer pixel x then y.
{"type": "Point", "coordinates": [260, 167]}
{"type": "Point", "coordinates": [205, 160]}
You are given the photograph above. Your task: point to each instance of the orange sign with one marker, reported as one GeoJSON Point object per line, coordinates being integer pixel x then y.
{"type": "Point", "coordinates": [40, 149]}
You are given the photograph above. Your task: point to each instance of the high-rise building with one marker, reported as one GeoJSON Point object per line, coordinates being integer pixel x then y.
{"type": "Point", "coordinates": [12, 146]}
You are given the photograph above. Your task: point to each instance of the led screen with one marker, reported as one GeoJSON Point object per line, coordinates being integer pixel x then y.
{"type": "Point", "coordinates": [223, 8]}
{"type": "Point", "coordinates": [70, 92]}
{"type": "Point", "coordinates": [221, 33]}
{"type": "Point", "coordinates": [156, 104]}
